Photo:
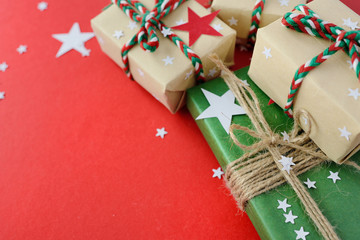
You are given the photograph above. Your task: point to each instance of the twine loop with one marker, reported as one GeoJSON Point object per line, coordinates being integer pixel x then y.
{"type": "Point", "coordinates": [147, 37]}
{"type": "Point", "coordinates": [310, 23]}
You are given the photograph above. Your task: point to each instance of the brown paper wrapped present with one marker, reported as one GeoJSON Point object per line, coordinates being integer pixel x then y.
{"type": "Point", "coordinates": [237, 13]}
{"type": "Point", "coordinates": [329, 93]}
{"type": "Point", "coordinates": [166, 73]}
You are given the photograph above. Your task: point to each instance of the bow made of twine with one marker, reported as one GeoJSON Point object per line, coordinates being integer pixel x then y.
{"type": "Point", "coordinates": [260, 170]}
{"type": "Point", "coordinates": [310, 23]}
{"type": "Point", "coordinates": [147, 36]}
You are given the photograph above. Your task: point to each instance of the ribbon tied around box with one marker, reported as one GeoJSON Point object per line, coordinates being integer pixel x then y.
{"type": "Point", "coordinates": [310, 23]}
{"type": "Point", "coordinates": [147, 36]}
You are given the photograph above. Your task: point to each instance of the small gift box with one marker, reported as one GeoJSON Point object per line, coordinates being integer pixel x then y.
{"type": "Point", "coordinates": [285, 59]}
{"type": "Point", "coordinates": [242, 14]}
{"type": "Point", "coordinates": [173, 58]}
{"type": "Point", "coordinates": [276, 213]}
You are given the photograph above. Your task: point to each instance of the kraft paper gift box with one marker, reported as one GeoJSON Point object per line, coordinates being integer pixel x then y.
{"type": "Point", "coordinates": [338, 201]}
{"type": "Point", "coordinates": [237, 13]}
{"type": "Point", "coordinates": [325, 92]}
{"type": "Point", "coordinates": [166, 81]}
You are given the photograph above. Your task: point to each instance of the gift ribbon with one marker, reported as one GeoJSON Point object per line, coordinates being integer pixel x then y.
{"type": "Point", "coordinates": [147, 36]}
{"type": "Point", "coordinates": [255, 21]}
{"type": "Point", "coordinates": [259, 170]}
{"type": "Point", "coordinates": [308, 22]}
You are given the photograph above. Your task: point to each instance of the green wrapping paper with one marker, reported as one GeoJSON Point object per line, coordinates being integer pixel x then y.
{"type": "Point", "coordinates": [338, 201]}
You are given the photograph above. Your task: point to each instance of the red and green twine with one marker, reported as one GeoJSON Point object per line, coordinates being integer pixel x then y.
{"type": "Point", "coordinates": [308, 22]}
{"type": "Point", "coordinates": [147, 36]}
{"type": "Point", "coordinates": [255, 21]}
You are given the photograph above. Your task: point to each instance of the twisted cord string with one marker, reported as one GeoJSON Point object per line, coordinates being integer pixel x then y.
{"type": "Point", "coordinates": [260, 170]}
{"type": "Point", "coordinates": [255, 21]}
{"type": "Point", "coordinates": [308, 22]}
{"type": "Point", "coordinates": [147, 36]}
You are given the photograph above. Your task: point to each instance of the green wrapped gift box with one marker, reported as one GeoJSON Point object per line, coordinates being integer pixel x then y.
{"type": "Point", "coordinates": [339, 200]}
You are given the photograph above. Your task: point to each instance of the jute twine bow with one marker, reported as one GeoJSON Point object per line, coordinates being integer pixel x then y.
{"type": "Point", "coordinates": [310, 23]}
{"type": "Point", "coordinates": [147, 36]}
{"type": "Point", "coordinates": [260, 170]}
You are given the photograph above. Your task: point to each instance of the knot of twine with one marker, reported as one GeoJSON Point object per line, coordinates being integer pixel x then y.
{"type": "Point", "coordinates": [259, 170]}
{"type": "Point", "coordinates": [147, 36]}
{"type": "Point", "coordinates": [310, 23]}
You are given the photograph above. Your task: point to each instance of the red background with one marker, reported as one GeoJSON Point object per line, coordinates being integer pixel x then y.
{"type": "Point", "coordinates": [79, 157]}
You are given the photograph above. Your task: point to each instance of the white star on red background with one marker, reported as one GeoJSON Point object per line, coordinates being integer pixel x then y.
{"type": "Point", "coordinates": [73, 40]}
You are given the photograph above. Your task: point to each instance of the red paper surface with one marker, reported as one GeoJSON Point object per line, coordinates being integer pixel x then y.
{"type": "Point", "coordinates": [79, 157]}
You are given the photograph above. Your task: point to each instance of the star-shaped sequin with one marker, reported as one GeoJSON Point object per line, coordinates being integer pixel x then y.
{"type": "Point", "coordinates": [354, 93]}
{"type": "Point", "coordinates": [232, 21]}
{"type": "Point", "coordinates": [160, 132]}
{"type": "Point", "coordinates": [287, 162]}
{"type": "Point", "coordinates": [290, 217]}
{"type": "Point", "coordinates": [301, 234]}
{"type": "Point", "coordinates": [283, 205]}
{"type": "Point", "coordinates": [217, 173]}
{"type": "Point", "coordinates": [212, 72]}
{"type": "Point", "coordinates": [267, 52]}
{"type": "Point", "coordinates": [344, 133]}
{"type": "Point", "coordinates": [3, 66]}
{"type": "Point", "coordinates": [42, 6]}
{"type": "Point", "coordinates": [132, 25]}
{"type": "Point", "coordinates": [2, 95]}
{"type": "Point", "coordinates": [168, 60]}
{"type": "Point", "coordinates": [348, 23]}
{"type": "Point", "coordinates": [166, 31]}
{"type": "Point", "coordinates": [284, 2]}
{"type": "Point", "coordinates": [118, 34]}
{"type": "Point", "coordinates": [197, 26]}
{"type": "Point", "coordinates": [310, 184]}
{"type": "Point", "coordinates": [22, 49]}
{"type": "Point", "coordinates": [334, 176]}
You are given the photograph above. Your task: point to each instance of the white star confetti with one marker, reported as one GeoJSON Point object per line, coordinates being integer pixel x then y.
{"type": "Point", "coordinates": [232, 21]}
{"type": "Point", "coordinates": [118, 34]}
{"type": "Point", "coordinates": [218, 27]}
{"type": "Point", "coordinates": [284, 2]}
{"type": "Point", "coordinates": [73, 40]}
{"type": "Point", "coordinates": [287, 163]}
{"type": "Point", "coordinates": [267, 53]}
{"type": "Point", "coordinates": [132, 25]}
{"type": "Point", "coordinates": [166, 31]}
{"type": "Point", "coordinates": [245, 82]}
{"type": "Point", "coordinates": [212, 72]}
{"type": "Point", "coordinates": [243, 49]}
{"type": "Point", "coordinates": [180, 22]}
{"type": "Point", "coordinates": [223, 108]}
{"type": "Point", "coordinates": [334, 176]}
{"type": "Point", "coordinates": [140, 72]}
{"type": "Point", "coordinates": [3, 66]}
{"type": "Point", "coordinates": [344, 133]}
{"type": "Point", "coordinates": [290, 217]}
{"type": "Point", "coordinates": [348, 23]}
{"type": "Point", "coordinates": [301, 234]}
{"type": "Point", "coordinates": [188, 74]}
{"type": "Point", "coordinates": [354, 93]}
{"type": "Point", "coordinates": [2, 95]}
{"type": "Point", "coordinates": [161, 132]}
{"type": "Point", "coordinates": [168, 60]}
{"type": "Point", "coordinates": [286, 136]}
{"type": "Point", "coordinates": [283, 205]}
{"type": "Point", "coordinates": [42, 6]}
{"type": "Point", "coordinates": [22, 49]}
{"type": "Point", "coordinates": [217, 172]}
{"type": "Point", "coordinates": [310, 184]}
{"type": "Point", "coordinates": [305, 120]}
